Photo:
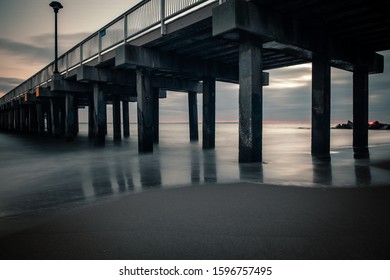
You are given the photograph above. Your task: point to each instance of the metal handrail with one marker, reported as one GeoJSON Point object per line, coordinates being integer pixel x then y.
{"type": "Point", "coordinates": [149, 14]}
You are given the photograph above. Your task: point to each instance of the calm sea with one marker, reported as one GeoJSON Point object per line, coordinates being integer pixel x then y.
{"type": "Point", "coordinates": [40, 174]}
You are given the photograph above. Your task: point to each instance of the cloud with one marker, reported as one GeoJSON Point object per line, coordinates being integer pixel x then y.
{"type": "Point", "coordinates": [6, 84]}
{"type": "Point", "coordinates": [39, 49]}
{"type": "Point", "coordinates": [65, 41]}
{"type": "Point", "coordinates": [24, 51]}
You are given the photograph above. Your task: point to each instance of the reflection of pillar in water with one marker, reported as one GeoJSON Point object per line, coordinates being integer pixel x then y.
{"type": "Point", "coordinates": [150, 171]}
{"type": "Point", "coordinates": [195, 165]}
{"type": "Point", "coordinates": [101, 182]}
{"type": "Point", "coordinates": [251, 171]}
{"type": "Point", "coordinates": [363, 173]}
{"type": "Point", "coordinates": [120, 176]}
{"type": "Point", "coordinates": [128, 173]}
{"type": "Point", "coordinates": [209, 166]}
{"type": "Point", "coordinates": [322, 172]}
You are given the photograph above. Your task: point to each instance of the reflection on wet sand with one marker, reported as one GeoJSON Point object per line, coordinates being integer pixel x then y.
{"type": "Point", "coordinates": [362, 172]}
{"type": "Point", "coordinates": [210, 166]}
{"type": "Point", "coordinates": [322, 172]}
{"type": "Point", "coordinates": [150, 171]}
{"type": "Point", "coordinates": [101, 179]}
{"type": "Point", "coordinates": [195, 165]}
{"type": "Point", "coordinates": [55, 173]}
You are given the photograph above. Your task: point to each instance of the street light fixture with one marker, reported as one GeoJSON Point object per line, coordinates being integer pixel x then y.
{"type": "Point", "coordinates": [56, 7]}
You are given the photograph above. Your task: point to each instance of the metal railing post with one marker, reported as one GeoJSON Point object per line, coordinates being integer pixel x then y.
{"type": "Point", "coordinates": [81, 54]}
{"type": "Point", "coordinates": [100, 47]}
{"type": "Point", "coordinates": [162, 17]}
{"type": "Point", "coordinates": [124, 29]}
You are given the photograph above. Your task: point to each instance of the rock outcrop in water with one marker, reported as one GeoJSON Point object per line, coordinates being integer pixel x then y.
{"type": "Point", "coordinates": [371, 125]}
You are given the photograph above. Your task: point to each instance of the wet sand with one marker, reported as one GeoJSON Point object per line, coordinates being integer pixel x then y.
{"type": "Point", "coordinates": [216, 221]}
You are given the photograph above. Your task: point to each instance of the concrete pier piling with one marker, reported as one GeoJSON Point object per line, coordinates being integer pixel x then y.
{"type": "Point", "coordinates": [70, 123]}
{"type": "Point", "coordinates": [320, 140]}
{"type": "Point", "coordinates": [360, 113]}
{"type": "Point", "coordinates": [156, 115]}
{"type": "Point", "coordinates": [99, 115]}
{"type": "Point", "coordinates": [193, 115]}
{"type": "Point", "coordinates": [116, 118]}
{"type": "Point", "coordinates": [250, 102]}
{"type": "Point", "coordinates": [55, 117]}
{"type": "Point", "coordinates": [208, 113]}
{"type": "Point", "coordinates": [145, 111]}
{"type": "Point", "coordinates": [40, 118]}
{"type": "Point", "coordinates": [126, 118]}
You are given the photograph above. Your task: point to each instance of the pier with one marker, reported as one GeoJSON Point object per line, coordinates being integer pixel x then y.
{"type": "Point", "coordinates": [188, 45]}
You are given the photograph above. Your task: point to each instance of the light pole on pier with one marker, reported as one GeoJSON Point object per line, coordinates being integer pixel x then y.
{"type": "Point", "coordinates": [56, 7]}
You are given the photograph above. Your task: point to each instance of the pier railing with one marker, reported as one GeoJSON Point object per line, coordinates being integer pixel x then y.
{"type": "Point", "coordinates": [144, 17]}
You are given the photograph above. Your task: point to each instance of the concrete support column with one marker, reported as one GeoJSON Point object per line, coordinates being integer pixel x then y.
{"type": "Point", "coordinates": [17, 119]}
{"type": "Point", "coordinates": [320, 132]}
{"type": "Point", "coordinates": [63, 115]}
{"type": "Point", "coordinates": [70, 128]}
{"type": "Point", "coordinates": [76, 116]}
{"type": "Point", "coordinates": [360, 113]}
{"type": "Point", "coordinates": [23, 123]}
{"type": "Point", "coordinates": [11, 119]}
{"type": "Point", "coordinates": [1, 119]}
{"type": "Point", "coordinates": [91, 121]}
{"type": "Point", "coordinates": [99, 115]}
{"type": "Point", "coordinates": [208, 113]}
{"type": "Point", "coordinates": [32, 117]}
{"type": "Point", "coordinates": [55, 117]}
{"type": "Point", "coordinates": [144, 111]}
{"type": "Point", "coordinates": [40, 118]}
{"type": "Point", "coordinates": [126, 118]}
{"type": "Point", "coordinates": [250, 102]}
{"type": "Point", "coordinates": [193, 115]}
{"type": "Point", "coordinates": [116, 118]}
{"type": "Point", "coordinates": [156, 115]}
{"type": "Point", "coordinates": [48, 120]}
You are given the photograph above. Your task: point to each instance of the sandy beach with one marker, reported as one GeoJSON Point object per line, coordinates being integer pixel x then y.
{"type": "Point", "coordinates": [216, 221]}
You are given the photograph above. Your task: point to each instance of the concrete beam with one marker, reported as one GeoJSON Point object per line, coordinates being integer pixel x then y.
{"type": "Point", "coordinates": [105, 75]}
{"type": "Point", "coordinates": [175, 84]}
{"type": "Point", "coordinates": [127, 78]}
{"type": "Point", "coordinates": [43, 92]}
{"type": "Point", "coordinates": [58, 84]}
{"type": "Point", "coordinates": [131, 57]}
{"type": "Point", "coordinates": [235, 17]}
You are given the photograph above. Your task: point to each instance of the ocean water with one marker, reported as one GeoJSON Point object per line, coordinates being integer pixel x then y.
{"type": "Point", "coordinates": [44, 174]}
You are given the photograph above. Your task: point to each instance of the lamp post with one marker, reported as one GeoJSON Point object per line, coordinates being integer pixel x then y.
{"type": "Point", "coordinates": [56, 7]}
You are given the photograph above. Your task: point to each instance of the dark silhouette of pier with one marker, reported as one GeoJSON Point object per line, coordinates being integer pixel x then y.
{"type": "Point", "coordinates": [189, 45]}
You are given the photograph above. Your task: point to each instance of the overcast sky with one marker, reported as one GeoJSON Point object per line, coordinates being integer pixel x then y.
{"type": "Point", "coordinates": [26, 46]}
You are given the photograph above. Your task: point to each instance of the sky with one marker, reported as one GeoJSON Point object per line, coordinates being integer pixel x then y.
{"type": "Point", "coordinates": [26, 46]}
